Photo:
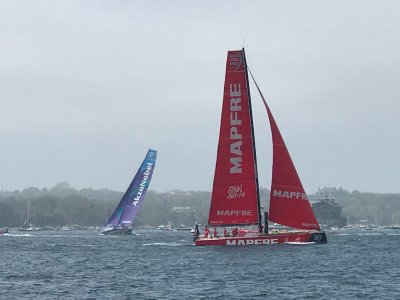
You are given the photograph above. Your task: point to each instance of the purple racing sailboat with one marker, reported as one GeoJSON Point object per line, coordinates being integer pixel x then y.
{"type": "Point", "coordinates": [122, 218]}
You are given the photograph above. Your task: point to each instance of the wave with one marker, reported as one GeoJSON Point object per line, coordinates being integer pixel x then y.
{"type": "Point", "coordinates": [370, 233]}
{"type": "Point", "coordinates": [58, 245]}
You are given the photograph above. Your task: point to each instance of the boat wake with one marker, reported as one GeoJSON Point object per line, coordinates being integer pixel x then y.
{"type": "Point", "coordinates": [371, 233]}
{"type": "Point", "coordinates": [17, 235]}
{"type": "Point", "coordinates": [300, 243]}
{"type": "Point", "coordinates": [169, 244]}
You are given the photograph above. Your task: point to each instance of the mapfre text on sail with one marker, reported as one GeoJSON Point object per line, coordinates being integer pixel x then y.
{"type": "Point", "coordinates": [235, 135]}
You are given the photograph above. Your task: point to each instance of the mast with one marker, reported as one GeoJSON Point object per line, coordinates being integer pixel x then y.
{"type": "Point", "coordinates": [254, 140]}
{"type": "Point", "coordinates": [28, 213]}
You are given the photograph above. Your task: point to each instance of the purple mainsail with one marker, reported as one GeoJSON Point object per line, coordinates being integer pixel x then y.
{"type": "Point", "coordinates": [130, 203]}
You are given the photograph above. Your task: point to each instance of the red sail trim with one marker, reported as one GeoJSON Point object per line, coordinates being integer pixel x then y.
{"type": "Point", "coordinates": [289, 205]}
{"type": "Point", "coordinates": [234, 196]}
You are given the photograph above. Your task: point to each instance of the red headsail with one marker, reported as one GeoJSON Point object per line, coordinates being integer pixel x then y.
{"type": "Point", "coordinates": [289, 205]}
{"type": "Point", "coordinates": [234, 197]}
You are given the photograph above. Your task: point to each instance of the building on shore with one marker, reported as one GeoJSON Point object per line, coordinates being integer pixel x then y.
{"type": "Point", "coordinates": [328, 212]}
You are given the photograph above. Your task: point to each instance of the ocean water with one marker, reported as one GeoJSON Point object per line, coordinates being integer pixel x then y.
{"type": "Point", "coordinates": [165, 265]}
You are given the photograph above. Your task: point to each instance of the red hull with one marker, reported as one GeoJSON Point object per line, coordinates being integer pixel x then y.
{"type": "Point", "coordinates": [262, 239]}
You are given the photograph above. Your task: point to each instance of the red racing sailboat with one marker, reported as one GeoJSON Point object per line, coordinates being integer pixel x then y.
{"type": "Point", "coordinates": [235, 200]}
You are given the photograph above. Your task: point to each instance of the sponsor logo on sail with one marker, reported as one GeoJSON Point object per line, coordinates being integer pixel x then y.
{"type": "Point", "coordinates": [243, 242]}
{"type": "Point", "coordinates": [235, 191]}
{"type": "Point", "coordinates": [289, 195]}
{"type": "Point", "coordinates": [235, 60]}
{"type": "Point", "coordinates": [234, 213]}
{"type": "Point", "coordinates": [143, 183]}
{"type": "Point", "coordinates": [235, 130]}
{"type": "Point", "coordinates": [310, 225]}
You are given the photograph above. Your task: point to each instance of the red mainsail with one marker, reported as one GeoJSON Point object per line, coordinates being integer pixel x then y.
{"type": "Point", "coordinates": [289, 205]}
{"type": "Point", "coordinates": [234, 199]}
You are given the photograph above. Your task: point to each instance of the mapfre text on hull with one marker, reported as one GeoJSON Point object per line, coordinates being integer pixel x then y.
{"type": "Point", "coordinates": [270, 239]}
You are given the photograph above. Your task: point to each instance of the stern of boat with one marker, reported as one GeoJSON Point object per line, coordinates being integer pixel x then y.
{"type": "Point", "coordinates": [319, 238]}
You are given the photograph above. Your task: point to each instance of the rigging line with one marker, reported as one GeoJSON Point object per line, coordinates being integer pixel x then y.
{"type": "Point", "coordinates": [258, 88]}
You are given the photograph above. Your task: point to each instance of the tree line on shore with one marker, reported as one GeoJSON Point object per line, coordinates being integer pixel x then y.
{"type": "Point", "coordinates": [64, 205]}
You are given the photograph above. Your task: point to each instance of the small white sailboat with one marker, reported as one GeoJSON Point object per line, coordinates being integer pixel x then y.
{"type": "Point", "coordinates": [25, 224]}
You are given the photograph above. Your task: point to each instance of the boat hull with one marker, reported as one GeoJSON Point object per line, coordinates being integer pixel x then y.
{"type": "Point", "coordinates": [117, 231]}
{"type": "Point", "coordinates": [263, 239]}
{"type": "Point", "coordinates": [25, 229]}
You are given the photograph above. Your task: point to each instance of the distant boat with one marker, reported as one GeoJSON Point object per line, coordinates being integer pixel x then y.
{"type": "Point", "coordinates": [182, 227]}
{"type": "Point", "coordinates": [122, 218]}
{"type": "Point", "coordinates": [3, 230]}
{"type": "Point", "coordinates": [235, 200]}
{"type": "Point", "coordinates": [167, 227]}
{"type": "Point", "coordinates": [66, 228]}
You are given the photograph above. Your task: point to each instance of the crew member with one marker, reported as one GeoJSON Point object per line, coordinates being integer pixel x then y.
{"type": "Point", "coordinates": [206, 232]}
{"type": "Point", "coordinates": [236, 231]}
{"type": "Point", "coordinates": [196, 232]}
{"type": "Point", "coordinates": [260, 228]}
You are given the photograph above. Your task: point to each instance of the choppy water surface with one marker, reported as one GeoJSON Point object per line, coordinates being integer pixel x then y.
{"type": "Point", "coordinates": [165, 265]}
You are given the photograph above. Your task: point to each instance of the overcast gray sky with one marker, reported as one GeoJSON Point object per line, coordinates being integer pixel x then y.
{"type": "Point", "coordinates": [86, 87]}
